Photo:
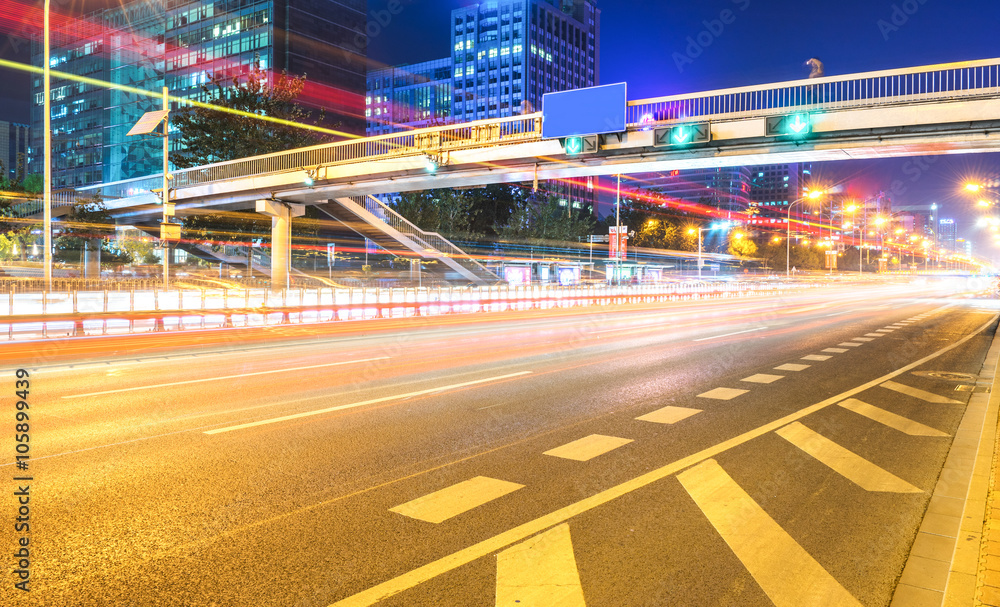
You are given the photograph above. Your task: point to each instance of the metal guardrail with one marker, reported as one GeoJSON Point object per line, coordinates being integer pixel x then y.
{"type": "Point", "coordinates": [954, 81]}
{"type": "Point", "coordinates": [968, 80]}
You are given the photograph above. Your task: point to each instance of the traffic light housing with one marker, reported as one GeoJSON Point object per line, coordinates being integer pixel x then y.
{"type": "Point", "coordinates": [683, 134]}
{"type": "Point", "coordinates": [789, 125]}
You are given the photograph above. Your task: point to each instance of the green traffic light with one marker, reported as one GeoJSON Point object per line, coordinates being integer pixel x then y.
{"type": "Point", "coordinates": [799, 124]}
{"type": "Point", "coordinates": [574, 145]}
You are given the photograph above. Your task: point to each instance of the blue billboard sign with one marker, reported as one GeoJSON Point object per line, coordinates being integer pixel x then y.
{"type": "Point", "coordinates": [591, 111]}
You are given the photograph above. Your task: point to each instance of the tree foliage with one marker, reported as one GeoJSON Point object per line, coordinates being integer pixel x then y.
{"type": "Point", "coordinates": [88, 224]}
{"type": "Point", "coordinates": [443, 211]}
{"type": "Point", "coordinates": [741, 246]}
{"type": "Point", "coordinates": [546, 220]}
{"type": "Point", "coordinates": [210, 135]}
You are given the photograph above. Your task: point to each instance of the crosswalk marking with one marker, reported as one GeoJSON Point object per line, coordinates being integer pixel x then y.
{"type": "Point", "coordinates": [442, 505]}
{"type": "Point", "coordinates": [923, 395]}
{"type": "Point", "coordinates": [865, 339]}
{"type": "Point", "coordinates": [850, 344]}
{"type": "Point", "coordinates": [540, 572]}
{"type": "Point", "coordinates": [817, 357]}
{"type": "Point", "coordinates": [848, 464]}
{"type": "Point", "coordinates": [588, 447]}
{"type": "Point", "coordinates": [786, 573]}
{"type": "Point", "coordinates": [887, 418]}
{"type": "Point", "coordinates": [792, 367]}
{"type": "Point", "coordinates": [762, 378]}
{"type": "Point", "coordinates": [874, 334]}
{"type": "Point", "coordinates": [723, 393]}
{"type": "Point", "coordinates": [836, 350]}
{"type": "Point", "coordinates": [668, 415]}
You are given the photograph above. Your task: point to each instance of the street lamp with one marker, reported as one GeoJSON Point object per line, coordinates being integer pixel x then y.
{"type": "Point", "coordinates": [692, 231]}
{"type": "Point", "coordinates": [813, 195]}
{"type": "Point", "coordinates": [47, 152]}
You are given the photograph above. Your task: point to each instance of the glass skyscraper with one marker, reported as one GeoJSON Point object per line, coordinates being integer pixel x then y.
{"type": "Point", "coordinates": [181, 43]}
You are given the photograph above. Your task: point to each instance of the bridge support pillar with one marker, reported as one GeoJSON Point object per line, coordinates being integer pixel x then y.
{"type": "Point", "coordinates": [281, 237]}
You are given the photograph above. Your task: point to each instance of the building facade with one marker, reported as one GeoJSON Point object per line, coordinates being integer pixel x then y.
{"type": "Point", "coordinates": [417, 95]}
{"type": "Point", "coordinates": [141, 46]}
{"type": "Point", "coordinates": [13, 149]}
{"type": "Point", "coordinates": [726, 189]}
{"type": "Point", "coordinates": [948, 235]}
{"type": "Point", "coordinates": [773, 188]}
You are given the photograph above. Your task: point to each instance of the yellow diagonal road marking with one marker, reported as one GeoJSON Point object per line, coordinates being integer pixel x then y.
{"type": "Point", "coordinates": [886, 418]}
{"type": "Point", "coordinates": [923, 395]}
{"type": "Point", "coordinates": [588, 447]}
{"type": "Point", "coordinates": [848, 464]}
{"type": "Point", "coordinates": [787, 574]}
{"type": "Point", "coordinates": [540, 572]}
{"type": "Point", "coordinates": [447, 503]}
{"type": "Point", "coordinates": [500, 541]}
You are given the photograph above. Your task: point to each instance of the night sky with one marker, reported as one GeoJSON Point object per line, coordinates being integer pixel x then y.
{"type": "Point", "coordinates": [657, 47]}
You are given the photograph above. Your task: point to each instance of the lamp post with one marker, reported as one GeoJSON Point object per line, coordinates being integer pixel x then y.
{"type": "Point", "coordinates": [47, 145]}
{"type": "Point", "coordinates": [814, 195]}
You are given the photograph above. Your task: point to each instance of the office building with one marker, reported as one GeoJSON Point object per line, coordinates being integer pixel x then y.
{"type": "Point", "coordinates": [13, 149]}
{"type": "Point", "coordinates": [773, 188]}
{"type": "Point", "coordinates": [181, 44]}
{"type": "Point", "coordinates": [726, 189]}
{"type": "Point", "coordinates": [948, 235]}
{"type": "Point", "coordinates": [411, 96]}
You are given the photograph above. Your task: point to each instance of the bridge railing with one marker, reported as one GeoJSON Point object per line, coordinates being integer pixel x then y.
{"type": "Point", "coordinates": [959, 81]}
{"type": "Point", "coordinates": [410, 143]}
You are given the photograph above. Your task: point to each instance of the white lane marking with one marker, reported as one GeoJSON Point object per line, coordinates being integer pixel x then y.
{"type": "Point", "coordinates": [864, 339]}
{"type": "Point", "coordinates": [730, 334]}
{"type": "Point", "coordinates": [723, 393]}
{"type": "Point", "coordinates": [373, 401]}
{"type": "Point", "coordinates": [240, 376]}
{"type": "Point", "coordinates": [483, 548]}
{"type": "Point", "coordinates": [588, 447]}
{"type": "Point", "coordinates": [668, 415]}
{"type": "Point", "coordinates": [848, 464]}
{"type": "Point", "coordinates": [874, 335]}
{"type": "Point", "coordinates": [835, 350]}
{"type": "Point", "coordinates": [762, 378]}
{"type": "Point", "coordinates": [540, 572]}
{"type": "Point", "coordinates": [816, 357]}
{"type": "Point", "coordinates": [787, 574]}
{"type": "Point", "coordinates": [850, 344]}
{"type": "Point", "coordinates": [887, 418]}
{"type": "Point", "coordinates": [884, 330]}
{"type": "Point", "coordinates": [923, 395]}
{"type": "Point", "coordinates": [792, 367]}
{"type": "Point", "coordinates": [442, 505]}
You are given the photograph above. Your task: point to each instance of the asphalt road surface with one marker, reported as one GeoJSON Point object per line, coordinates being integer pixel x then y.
{"type": "Point", "coordinates": [744, 452]}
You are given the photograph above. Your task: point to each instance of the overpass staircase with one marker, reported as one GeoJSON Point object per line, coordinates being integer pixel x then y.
{"type": "Point", "coordinates": [371, 218]}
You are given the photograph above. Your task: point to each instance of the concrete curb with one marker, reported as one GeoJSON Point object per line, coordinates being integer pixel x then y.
{"type": "Point", "coordinates": [943, 568]}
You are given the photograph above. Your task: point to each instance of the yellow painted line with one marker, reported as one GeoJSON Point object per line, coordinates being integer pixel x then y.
{"type": "Point", "coordinates": [787, 574]}
{"type": "Point", "coordinates": [540, 572]}
{"type": "Point", "coordinates": [498, 542]}
{"type": "Point", "coordinates": [762, 378]}
{"type": "Point", "coordinates": [225, 377]}
{"type": "Point", "coordinates": [850, 344]}
{"type": "Point", "coordinates": [817, 357]}
{"type": "Point", "coordinates": [923, 395]}
{"type": "Point", "coordinates": [588, 447]}
{"type": "Point", "coordinates": [669, 415]}
{"type": "Point", "coordinates": [887, 418]}
{"type": "Point", "coordinates": [836, 350]}
{"type": "Point", "coordinates": [848, 464]}
{"type": "Point", "coordinates": [792, 367]}
{"type": "Point", "coordinates": [363, 403]}
{"type": "Point", "coordinates": [442, 505]}
{"type": "Point", "coordinates": [723, 393]}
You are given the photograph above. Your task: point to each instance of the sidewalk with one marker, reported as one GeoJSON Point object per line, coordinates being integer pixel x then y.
{"type": "Point", "coordinates": [988, 566]}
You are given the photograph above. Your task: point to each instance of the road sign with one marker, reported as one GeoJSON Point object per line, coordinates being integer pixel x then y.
{"type": "Point", "coordinates": [588, 111]}
{"type": "Point", "coordinates": [574, 146]}
{"type": "Point", "coordinates": [618, 248]}
{"type": "Point", "coordinates": [170, 231]}
{"type": "Point", "coordinates": [683, 134]}
{"type": "Point", "coordinates": [331, 249]}
{"type": "Point", "coordinates": [790, 125]}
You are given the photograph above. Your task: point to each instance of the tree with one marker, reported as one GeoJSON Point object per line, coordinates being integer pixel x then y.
{"type": "Point", "coordinates": [88, 225]}
{"type": "Point", "coordinates": [491, 207]}
{"type": "Point", "coordinates": [210, 135]}
{"type": "Point", "coordinates": [741, 246]}
{"type": "Point", "coordinates": [545, 221]}
{"type": "Point", "coordinates": [444, 211]}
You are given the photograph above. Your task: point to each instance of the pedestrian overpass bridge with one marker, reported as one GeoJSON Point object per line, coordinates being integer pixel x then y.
{"type": "Point", "coordinates": [930, 110]}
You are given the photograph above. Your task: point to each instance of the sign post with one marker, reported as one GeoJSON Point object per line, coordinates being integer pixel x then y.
{"type": "Point", "coordinates": [331, 249]}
